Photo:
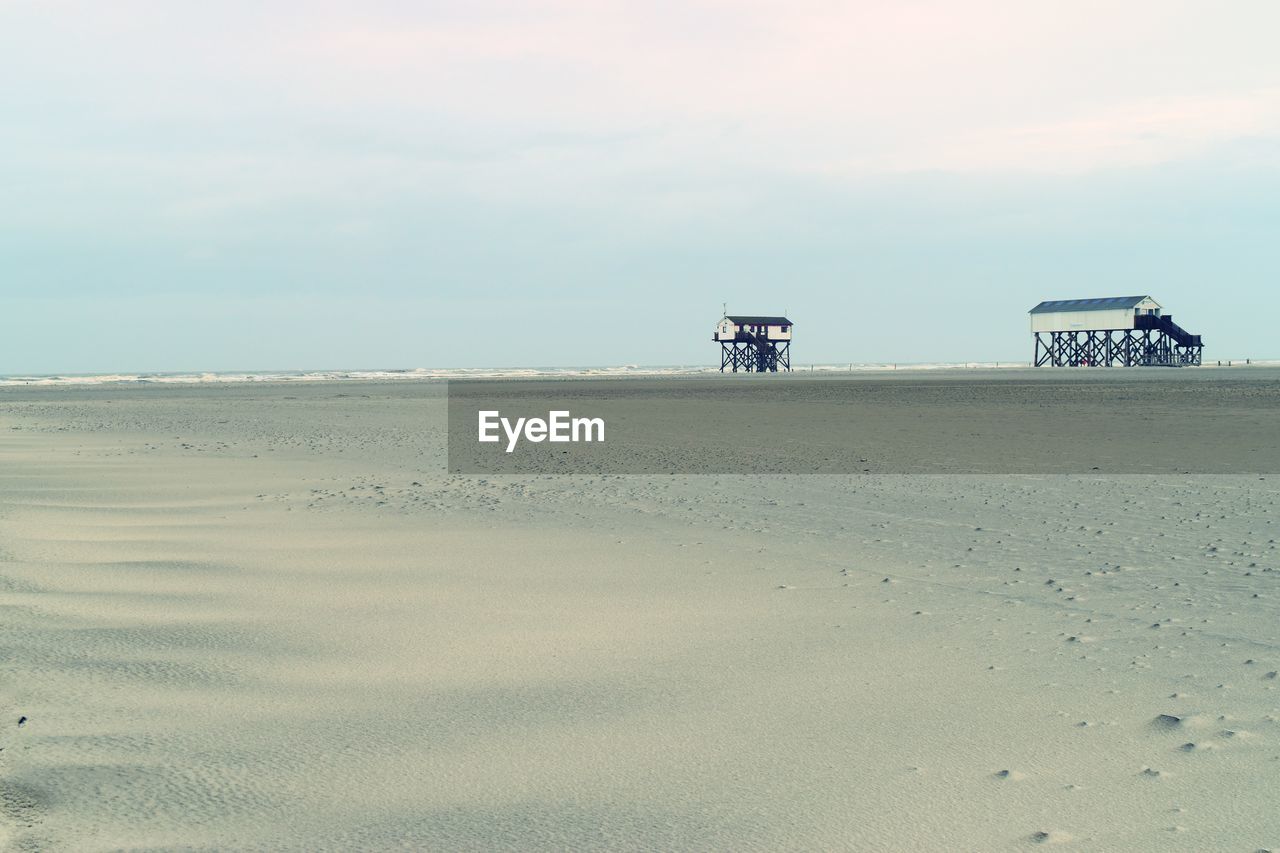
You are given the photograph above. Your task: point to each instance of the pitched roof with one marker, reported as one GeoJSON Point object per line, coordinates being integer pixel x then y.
{"type": "Point", "coordinates": [754, 320]}
{"type": "Point", "coordinates": [1104, 303]}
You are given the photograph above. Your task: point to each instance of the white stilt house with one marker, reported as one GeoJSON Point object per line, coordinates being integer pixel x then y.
{"type": "Point", "coordinates": [1110, 331]}
{"type": "Point", "coordinates": [754, 343]}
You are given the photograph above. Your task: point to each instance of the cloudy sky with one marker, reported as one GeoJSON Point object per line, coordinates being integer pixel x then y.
{"type": "Point", "coordinates": [237, 185]}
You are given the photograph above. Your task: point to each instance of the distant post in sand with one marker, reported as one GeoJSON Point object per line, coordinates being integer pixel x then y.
{"type": "Point", "coordinates": [1112, 331]}
{"type": "Point", "coordinates": [754, 343]}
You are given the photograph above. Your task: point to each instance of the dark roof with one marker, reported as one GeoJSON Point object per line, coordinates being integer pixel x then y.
{"type": "Point", "coordinates": [1102, 304]}
{"type": "Point", "coordinates": [753, 320]}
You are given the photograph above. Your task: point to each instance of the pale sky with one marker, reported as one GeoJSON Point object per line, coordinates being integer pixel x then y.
{"type": "Point", "coordinates": [236, 185]}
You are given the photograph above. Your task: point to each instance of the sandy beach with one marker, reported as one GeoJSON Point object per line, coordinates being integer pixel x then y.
{"type": "Point", "coordinates": [266, 617]}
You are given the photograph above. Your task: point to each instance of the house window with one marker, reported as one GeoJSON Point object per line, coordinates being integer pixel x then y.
{"type": "Point", "coordinates": [786, 329]}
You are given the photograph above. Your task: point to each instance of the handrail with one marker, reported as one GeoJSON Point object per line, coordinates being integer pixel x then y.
{"type": "Point", "coordinates": [1165, 324]}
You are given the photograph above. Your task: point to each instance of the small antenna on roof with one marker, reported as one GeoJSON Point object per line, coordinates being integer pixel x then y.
{"type": "Point", "coordinates": [724, 309]}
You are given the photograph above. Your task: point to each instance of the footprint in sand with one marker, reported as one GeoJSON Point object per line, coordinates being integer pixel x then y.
{"type": "Point", "coordinates": [1178, 722]}
{"type": "Point", "coordinates": [1196, 747]}
{"type": "Point", "coordinates": [1053, 836]}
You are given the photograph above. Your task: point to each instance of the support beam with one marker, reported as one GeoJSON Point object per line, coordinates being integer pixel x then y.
{"type": "Point", "coordinates": [1113, 348]}
{"type": "Point", "coordinates": [756, 355]}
